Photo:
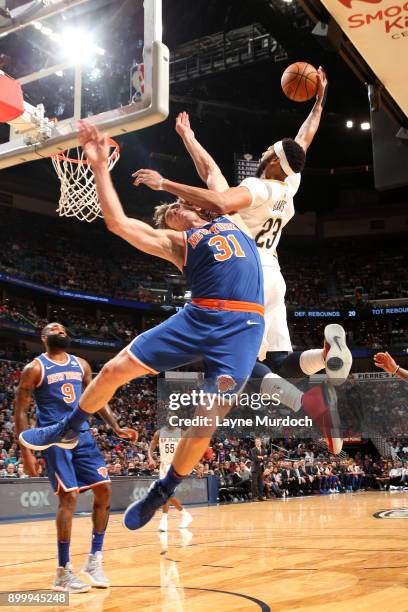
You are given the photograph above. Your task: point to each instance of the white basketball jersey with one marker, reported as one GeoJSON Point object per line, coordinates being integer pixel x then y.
{"type": "Point", "coordinates": [271, 209]}
{"type": "Point", "coordinates": [168, 442]}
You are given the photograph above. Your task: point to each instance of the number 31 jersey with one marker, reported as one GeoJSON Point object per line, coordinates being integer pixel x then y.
{"type": "Point", "coordinates": [271, 209]}
{"type": "Point", "coordinates": [59, 389]}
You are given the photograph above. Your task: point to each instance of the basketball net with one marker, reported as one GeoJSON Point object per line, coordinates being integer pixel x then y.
{"type": "Point", "coordinates": [78, 191]}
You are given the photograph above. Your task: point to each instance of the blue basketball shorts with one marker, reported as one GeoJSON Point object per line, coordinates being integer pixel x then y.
{"type": "Point", "coordinates": [78, 469]}
{"type": "Point", "coordinates": [226, 341]}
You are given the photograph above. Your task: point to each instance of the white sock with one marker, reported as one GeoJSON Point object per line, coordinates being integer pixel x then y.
{"type": "Point", "coordinates": [184, 512]}
{"type": "Point", "coordinates": [289, 395]}
{"type": "Point", "coordinates": [312, 361]}
{"type": "Point", "coordinates": [164, 518]}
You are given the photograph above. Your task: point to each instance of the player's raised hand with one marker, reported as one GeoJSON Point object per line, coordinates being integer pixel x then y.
{"type": "Point", "coordinates": [128, 433]}
{"type": "Point", "coordinates": [150, 178]}
{"type": "Point", "coordinates": [322, 83]}
{"type": "Point", "coordinates": [385, 362]}
{"type": "Point", "coordinates": [94, 143]}
{"type": "Point", "coordinates": [183, 127]}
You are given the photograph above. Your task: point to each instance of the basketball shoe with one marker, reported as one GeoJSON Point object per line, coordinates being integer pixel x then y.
{"type": "Point", "coordinates": [320, 404]}
{"type": "Point", "coordinates": [65, 580]}
{"type": "Point", "coordinates": [337, 356]}
{"type": "Point", "coordinates": [141, 512]}
{"type": "Point", "coordinates": [93, 570]}
{"type": "Point", "coordinates": [41, 438]}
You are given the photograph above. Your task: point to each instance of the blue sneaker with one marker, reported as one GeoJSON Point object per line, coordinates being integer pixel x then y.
{"type": "Point", "coordinates": [41, 438]}
{"type": "Point", "coordinates": [141, 512]}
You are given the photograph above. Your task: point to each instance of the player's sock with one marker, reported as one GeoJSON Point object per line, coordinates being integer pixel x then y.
{"type": "Point", "coordinates": [63, 553]}
{"type": "Point", "coordinates": [97, 541]}
{"type": "Point", "coordinates": [289, 395]}
{"type": "Point", "coordinates": [76, 419]}
{"type": "Point", "coordinates": [171, 480]}
{"type": "Point", "coordinates": [275, 359]}
{"type": "Point", "coordinates": [260, 370]}
{"type": "Point", "coordinates": [312, 361]}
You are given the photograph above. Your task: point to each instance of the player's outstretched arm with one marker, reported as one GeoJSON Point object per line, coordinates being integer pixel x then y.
{"type": "Point", "coordinates": [232, 200]}
{"type": "Point", "coordinates": [106, 413]}
{"type": "Point", "coordinates": [208, 170]}
{"type": "Point", "coordinates": [30, 378]}
{"type": "Point", "coordinates": [166, 244]}
{"type": "Point", "coordinates": [311, 125]}
{"type": "Point", "coordinates": [388, 364]}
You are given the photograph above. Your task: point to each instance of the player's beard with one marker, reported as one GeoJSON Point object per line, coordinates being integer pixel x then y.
{"type": "Point", "coordinates": [56, 341]}
{"type": "Point", "coordinates": [262, 166]}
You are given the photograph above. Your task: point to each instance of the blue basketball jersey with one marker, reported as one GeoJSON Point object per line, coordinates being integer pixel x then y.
{"type": "Point", "coordinates": [222, 262]}
{"type": "Point", "coordinates": [59, 390]}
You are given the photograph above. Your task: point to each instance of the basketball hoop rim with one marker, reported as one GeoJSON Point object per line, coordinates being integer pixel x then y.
{"type": "Point", "coordinates": [62, 157]}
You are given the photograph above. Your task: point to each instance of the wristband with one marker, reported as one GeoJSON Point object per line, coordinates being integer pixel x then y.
{"type": "Point", "coordinates": [161, 184]}
{"type": "Point", "coordinates": [396, 370]}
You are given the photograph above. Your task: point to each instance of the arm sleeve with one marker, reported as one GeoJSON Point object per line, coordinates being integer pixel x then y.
{"type": "Point", "coordinates": [260, 191]}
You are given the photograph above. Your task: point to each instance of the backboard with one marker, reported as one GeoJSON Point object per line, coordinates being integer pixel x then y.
{"type": "Point", "coordinates": [76, 59]}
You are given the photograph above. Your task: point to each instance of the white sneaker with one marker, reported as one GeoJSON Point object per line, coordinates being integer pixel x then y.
{"type": "Point", "coordinates": [337, 356]}
{"type": "Point", "coordinates": [186, 519]}
{"type": "Point", "coordinates": [163, 523]}
{"type": "Point", "coordinates": [93, 570]}
{"type": "Point", "coordinates": [66, 581]}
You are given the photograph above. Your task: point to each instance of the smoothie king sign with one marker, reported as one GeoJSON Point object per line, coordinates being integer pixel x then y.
{"type": "Point", "coordinates": [379, 31]}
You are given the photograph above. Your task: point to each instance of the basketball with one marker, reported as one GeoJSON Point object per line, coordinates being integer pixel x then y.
{"type": "Point", "coordinates": [299, 82]}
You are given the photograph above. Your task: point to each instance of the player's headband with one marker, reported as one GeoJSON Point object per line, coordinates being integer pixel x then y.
{"type": "Point", "coordinates": [278, 148]}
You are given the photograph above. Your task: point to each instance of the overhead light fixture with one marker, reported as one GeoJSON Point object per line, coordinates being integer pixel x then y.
{"type": "Point", "coordinates": [365, 125]}
{"type": "Point", "coordinates": [349, 123]}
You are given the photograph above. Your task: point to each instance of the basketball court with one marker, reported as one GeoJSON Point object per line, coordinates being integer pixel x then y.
{"type": "Point", "coordinates": [317, 553]}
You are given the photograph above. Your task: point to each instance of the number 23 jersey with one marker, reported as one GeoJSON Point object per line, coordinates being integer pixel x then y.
{"type": "Point", "coordinates": [271, 209]}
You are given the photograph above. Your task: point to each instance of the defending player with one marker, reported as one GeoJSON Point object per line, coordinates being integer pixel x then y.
{"type": "Point", "coordinates": [223, 326]}
{"type": "Point", "coordinates": [56, 379]}
{"type": "Point", "coordinates": [167, 438]}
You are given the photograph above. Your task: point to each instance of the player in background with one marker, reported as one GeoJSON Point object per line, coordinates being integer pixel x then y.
{"type": "Point", "coordinates": [388, 364]}
{"type": "Point", "coordinates": [167, 438]}
{"type": "Point", "coordinates": [56, 379]}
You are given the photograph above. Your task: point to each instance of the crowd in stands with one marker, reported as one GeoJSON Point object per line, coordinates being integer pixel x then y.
{"type": "Point", "coordinates": [79, 322]}
{"type": "Point", "coordinates": [292, 467]}
{"type": "Point", "coordinates": [92, 261]}
{"type": "Point", "coordinates": [343, 274]}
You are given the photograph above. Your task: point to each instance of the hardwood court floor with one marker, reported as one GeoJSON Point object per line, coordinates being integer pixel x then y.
{"type": "Point", "coordinates": [315, 554]}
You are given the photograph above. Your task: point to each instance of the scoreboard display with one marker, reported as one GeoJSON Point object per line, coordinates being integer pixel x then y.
{"type": "Point", "coordinates": [245, 167]}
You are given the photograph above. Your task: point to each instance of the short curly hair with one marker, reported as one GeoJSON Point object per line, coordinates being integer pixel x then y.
{"type": "Point", "coordinates": [295, 154]}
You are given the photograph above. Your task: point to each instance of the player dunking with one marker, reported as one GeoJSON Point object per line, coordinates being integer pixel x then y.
{"type": "Point", "coordinates": [266, 206]}
{"type": "Point", "coordinates": [223, 326]}
{"type": "Point", "coordinates": [167, 438]}
{"type": "Point", "coordinates": [56, 380]}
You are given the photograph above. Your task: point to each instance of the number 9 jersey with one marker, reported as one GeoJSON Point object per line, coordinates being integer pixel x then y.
{"type": "Point", "coordinates": [59, 389]}
{"type": "Point", "coordinates": [271, 209]}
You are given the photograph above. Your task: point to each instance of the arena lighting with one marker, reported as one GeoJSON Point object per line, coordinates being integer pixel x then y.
{"type": "Point", "coordinates": [77, 44]}
{"type": "Point", "coordinates": [365, 125]}
{"type": "Point", "coordinates": [349, 123]}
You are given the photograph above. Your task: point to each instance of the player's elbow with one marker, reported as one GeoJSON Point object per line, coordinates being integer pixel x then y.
{"type": "Point", "coordinates": [221, 204]}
